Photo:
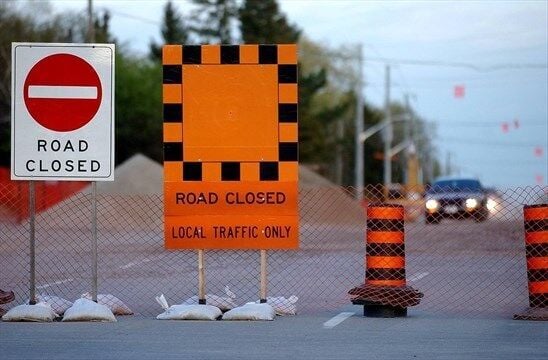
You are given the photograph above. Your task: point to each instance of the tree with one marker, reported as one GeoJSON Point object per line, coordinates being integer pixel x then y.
{"type": "Point", "coordinates": [173, 31]}
{"type": "Point", "coordinates": [138, 108]}
{"type": "Point", "coordinates": [102, 29]}
{"type": "Point", "coordinates": [261, 22]}
{"type": "Point", "coordinates": [212, 20]}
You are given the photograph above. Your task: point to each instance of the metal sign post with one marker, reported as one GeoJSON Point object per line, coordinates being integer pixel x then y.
{"type": "Point", "coordinates": [94, 241]}
{"type": "Point", "coordinates": [32, 213]}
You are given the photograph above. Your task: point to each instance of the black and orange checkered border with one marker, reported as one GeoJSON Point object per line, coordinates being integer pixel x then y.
{"type": "Point", "coordinates": [175, 57]}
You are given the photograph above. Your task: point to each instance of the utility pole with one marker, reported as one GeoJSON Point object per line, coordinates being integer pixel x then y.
{"type": "Point", "coordinates": [358, 176]}
{"type": "Point", "coordinates": [91, 27]}
{"type": "Point", "coordinates": [388, 133]}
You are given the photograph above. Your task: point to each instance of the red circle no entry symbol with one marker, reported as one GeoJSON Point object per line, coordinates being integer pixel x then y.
{"type": "Point", "coordinates": [62, 92]}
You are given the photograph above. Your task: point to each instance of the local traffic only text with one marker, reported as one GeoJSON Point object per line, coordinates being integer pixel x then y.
{"type": "Point", "coordinates": [232, 232]}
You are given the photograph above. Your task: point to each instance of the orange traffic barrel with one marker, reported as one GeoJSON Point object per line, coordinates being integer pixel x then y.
{"type": "Point", "coordinates": [536, 247]}
{"type": "Point", "coordinates": [384, 292]}
{"type": "Point", "coordinates": [385, 247]}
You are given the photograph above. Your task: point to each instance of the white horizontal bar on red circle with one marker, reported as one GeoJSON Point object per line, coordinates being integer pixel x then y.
{"type": "Point", "coordinates": [62, 92]}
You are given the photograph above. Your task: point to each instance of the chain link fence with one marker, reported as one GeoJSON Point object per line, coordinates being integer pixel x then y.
{"type": "Point", "coordinates": [465, 265]}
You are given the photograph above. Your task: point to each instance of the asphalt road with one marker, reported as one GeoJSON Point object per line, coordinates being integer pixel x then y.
{"type": "Point", "coordinates": [419, 336]}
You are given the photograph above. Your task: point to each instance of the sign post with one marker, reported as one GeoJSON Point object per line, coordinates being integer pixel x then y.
{"type": "Point", "coordinates": [231, 148]}
{"type": "Point", "coordinates": [62, 122]}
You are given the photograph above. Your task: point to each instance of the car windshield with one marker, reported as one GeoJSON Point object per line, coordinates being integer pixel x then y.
{"type": "Point", "coordinates": [455, 185]}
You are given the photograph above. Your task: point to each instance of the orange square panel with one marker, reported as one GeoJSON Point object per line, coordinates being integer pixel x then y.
{"type": "Point", "coordinates": [230, 113]}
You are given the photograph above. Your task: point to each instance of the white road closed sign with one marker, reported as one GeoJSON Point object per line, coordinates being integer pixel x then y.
{"type": "Point", "coordinates": [62, 122]}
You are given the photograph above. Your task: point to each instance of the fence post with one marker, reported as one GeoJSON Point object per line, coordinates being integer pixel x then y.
{"type": "Point", "coordinates": [385, 292]}
{"type": "Point", "coordinates": [536, 251]}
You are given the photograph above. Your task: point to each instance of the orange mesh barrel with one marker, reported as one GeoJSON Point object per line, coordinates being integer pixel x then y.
{"type": "Point", "coordinates": [385, 248]}
{"type": "Point", "coordinates": [536, 245]}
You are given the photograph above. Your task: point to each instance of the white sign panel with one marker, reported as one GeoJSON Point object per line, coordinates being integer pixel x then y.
{"type": "Point", "coordinates": [62, 117]}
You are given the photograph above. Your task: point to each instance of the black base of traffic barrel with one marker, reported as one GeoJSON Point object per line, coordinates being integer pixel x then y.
{"type": "Point", "coordinates": [383, 311]}
{"type": "Point", "coordinates": [376, 310]}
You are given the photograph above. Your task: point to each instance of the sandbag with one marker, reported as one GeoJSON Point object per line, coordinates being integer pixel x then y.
{"type": "Point", "coordinates": [224, 303]}
{"type": "Point", "coordinates": [190, 312]}
{"type": "Point", "coordinates": [87, 310]}
{"type": "Point", "coordinates": [251, 311]}
{"type": "Point", "coordinates": [40, 312]}
{"type": "Point", "coordinates": [117, 306]}
{"type": "Point", "coordinates": [58, 304]}
{"type": "Point", "coordinates": [281, 305]}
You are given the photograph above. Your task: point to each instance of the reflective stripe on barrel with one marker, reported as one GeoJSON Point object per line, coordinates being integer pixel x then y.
{"type": "Point", "coordinates": [385, 248]}
{"type": "Point", "coordinates": [536, 250]}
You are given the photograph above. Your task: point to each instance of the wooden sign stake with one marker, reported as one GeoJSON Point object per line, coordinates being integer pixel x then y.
{"type": "Point", "coordinates": [263, 277]}
{"type": "Point", "coordinates": [201, 278]}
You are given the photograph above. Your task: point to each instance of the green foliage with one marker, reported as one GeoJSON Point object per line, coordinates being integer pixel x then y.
{"type": "Point", "coordinates": [138, 108]}
{"type": "Point", "coordinates": [212, 21]}
{"type": "Point", "coordinates": [261, 22]}
{"type": "Point", "coordinates": [101, 28]}
{"type": "Point", "coordinates": [173, 31]}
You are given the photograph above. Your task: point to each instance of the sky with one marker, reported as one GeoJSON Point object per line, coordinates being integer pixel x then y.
{"type": "Point", "coordinates": [495, 51]}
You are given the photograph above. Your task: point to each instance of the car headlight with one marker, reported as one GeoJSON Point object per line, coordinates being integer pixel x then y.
{"type": "Point", "coordinates": [491, 205]}
{"type": "Point", "coordinates": [471, 203]}
{"type": "Point", "coordinates": [432, 204]}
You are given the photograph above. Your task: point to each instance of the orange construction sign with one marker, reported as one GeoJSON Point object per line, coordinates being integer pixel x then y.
{"type": "Point", "coordinates": [230, 146]}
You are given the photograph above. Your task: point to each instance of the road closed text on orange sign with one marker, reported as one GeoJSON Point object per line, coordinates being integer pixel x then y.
{"type": "Point", "coordinates": [230, 146]}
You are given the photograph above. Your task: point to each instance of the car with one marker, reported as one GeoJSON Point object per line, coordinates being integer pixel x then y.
{"type": "Point", "coordinates": [455, 198]}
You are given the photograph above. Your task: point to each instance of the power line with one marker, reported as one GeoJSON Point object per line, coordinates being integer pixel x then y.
{"type": "Point", "coordinates": [486, 124]}
{"type": "Point", "coordinates": [486, 143]}
{"type": "Point", "coordinates": [130, 16]}
{"type": "Point", "coordinates": [471, 66]}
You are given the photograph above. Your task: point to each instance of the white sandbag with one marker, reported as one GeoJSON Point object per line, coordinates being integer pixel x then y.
{"type": "Point", "coordinates": [40, 312]}
{"type": "Point", "coordinates": [117, 306]}
{"type": "Point", "coordinates": [251, 311]}
{"type": "Point", "coordinates": [281, 305]}
{"type": "Point", "coordinates": [190, 312]}
{"type": "Point", "coordinates": [58, 304]}
{"type": "Point", "coordinates": [87, 310]}
{"type": "Point", "coordinates": [224, 303]}
{"type": "Point", "coordinates": [186, 312]}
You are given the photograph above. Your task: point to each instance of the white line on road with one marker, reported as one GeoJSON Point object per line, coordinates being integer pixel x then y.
{"type": "Point", "coordinates": [62, 92]}
{"type": "Point", "coordinates": [336, 320]}
{"type": "Point", "coordinates": [144, 261]}
{"type": "Point", "coordinates": [45, 286]}
{"type": "Point", "coordinates": [418, 276]}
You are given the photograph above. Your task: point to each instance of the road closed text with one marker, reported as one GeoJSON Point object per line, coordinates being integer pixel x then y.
{"type": "Point", "coordinates": [231, 198]}
{"type": "Point", "coordinates": [210, 198]}
{"type": "Point", "coordinates": [66, 165]}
